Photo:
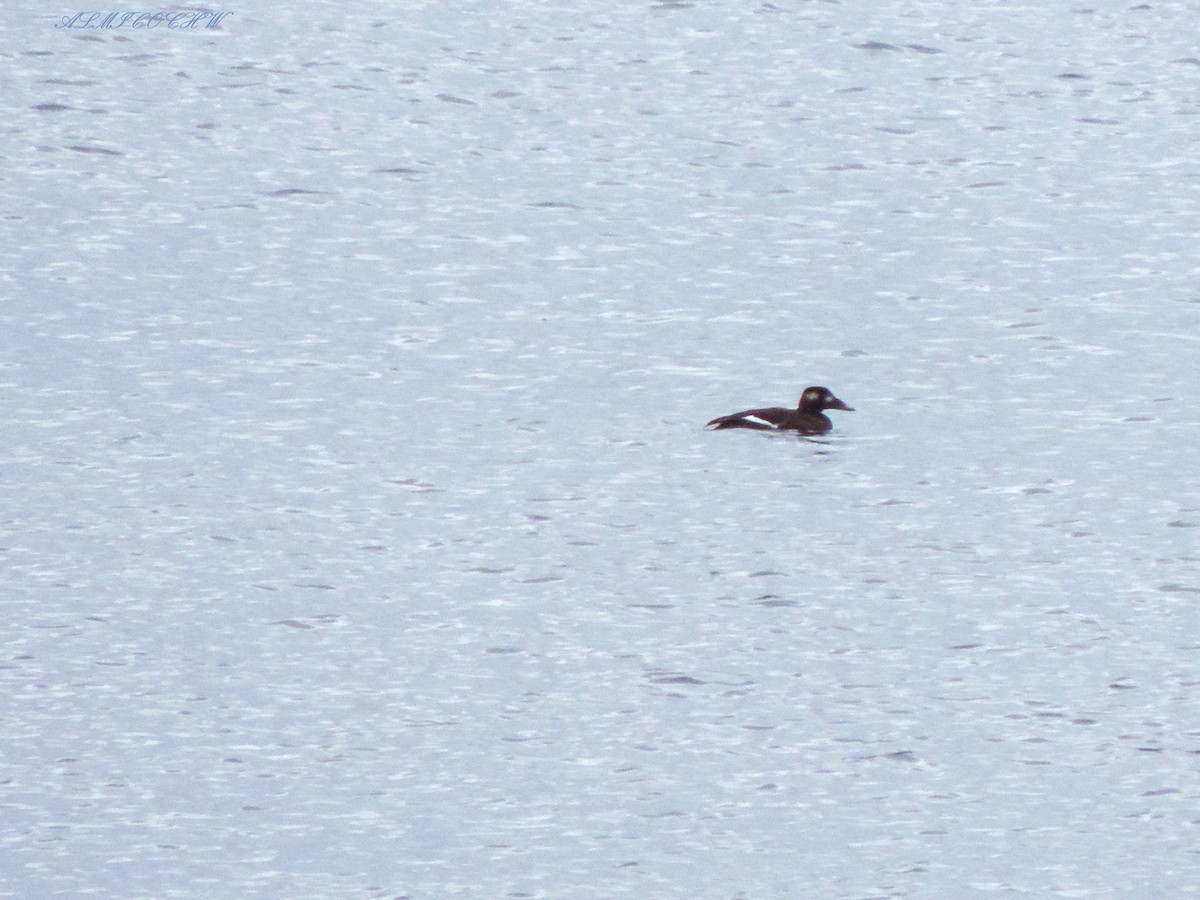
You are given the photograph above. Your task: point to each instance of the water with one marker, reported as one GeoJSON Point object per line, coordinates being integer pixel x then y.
{"type": "Point", "coordinates": [360, 536]}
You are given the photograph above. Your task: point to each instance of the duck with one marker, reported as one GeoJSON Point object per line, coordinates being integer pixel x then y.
{"type": "Point", "coordinates": [807, 418]}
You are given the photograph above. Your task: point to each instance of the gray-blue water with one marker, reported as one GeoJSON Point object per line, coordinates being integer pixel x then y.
{"type": "Point", "coordinates": [360, 537]}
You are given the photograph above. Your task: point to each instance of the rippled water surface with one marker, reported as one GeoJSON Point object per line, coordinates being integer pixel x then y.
{"type": "Point", "coordinates": [359, 533]}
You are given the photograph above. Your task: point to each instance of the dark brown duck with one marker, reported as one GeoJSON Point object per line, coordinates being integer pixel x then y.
{"type": "Point", "coordinates": [807, 418]}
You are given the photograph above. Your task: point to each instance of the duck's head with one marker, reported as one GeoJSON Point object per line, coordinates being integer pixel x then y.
{"type": "Point", "coordinates": [818, 399]}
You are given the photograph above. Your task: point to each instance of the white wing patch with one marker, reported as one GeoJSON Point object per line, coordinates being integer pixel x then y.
{"type": "Point", "coordinates": [759, 421]}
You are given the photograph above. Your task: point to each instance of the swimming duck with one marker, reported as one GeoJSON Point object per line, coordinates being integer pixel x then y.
{"type": "Point", "coordinates": [807, 418]}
